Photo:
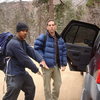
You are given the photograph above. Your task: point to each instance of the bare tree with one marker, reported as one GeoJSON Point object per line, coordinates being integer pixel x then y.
{"type": "Point", "coordinates": [23, 11]}
{"type": "Point", "coordinates": [40, 19]}
{"type": "Point", "coordinates": [51, 9]}
{"type": "Point", "coordinates": [62, 2]}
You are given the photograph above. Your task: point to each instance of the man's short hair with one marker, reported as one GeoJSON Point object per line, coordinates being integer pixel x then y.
{"type": "Point", "coordinates": [21, 27]}
{"type": "Point", "coordinates": [51, 20]}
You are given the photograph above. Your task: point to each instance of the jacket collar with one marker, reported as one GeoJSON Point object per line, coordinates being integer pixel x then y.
{"type": "Point", "coordinates": [15, 37]}
{"type": "Point", "coordinates": [57, 35]}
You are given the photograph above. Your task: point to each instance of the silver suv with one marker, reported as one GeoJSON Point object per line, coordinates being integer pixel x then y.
{"type": "Point", "coordinates": [83, 49]}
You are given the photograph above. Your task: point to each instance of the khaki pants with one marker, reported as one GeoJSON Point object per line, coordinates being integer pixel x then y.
{"type": "Point", "coordinates": [52, 73]}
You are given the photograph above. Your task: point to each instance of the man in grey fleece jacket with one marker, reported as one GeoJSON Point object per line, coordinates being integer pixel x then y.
{"type": "Point", "coordinates": [17, 78]}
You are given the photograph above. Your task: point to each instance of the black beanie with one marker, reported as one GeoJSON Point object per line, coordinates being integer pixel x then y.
{"type": "Point", "coordinates": [21, 27]}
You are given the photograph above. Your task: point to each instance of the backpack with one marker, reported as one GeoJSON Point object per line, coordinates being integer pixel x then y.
{"type": "Point", "coordinates": [45, 39]}
{"type": "Point", "coordinates": [5, 37]}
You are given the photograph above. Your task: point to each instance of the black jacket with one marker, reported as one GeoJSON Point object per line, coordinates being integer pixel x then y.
{"type": "Point", "coordinates": [20, 53]}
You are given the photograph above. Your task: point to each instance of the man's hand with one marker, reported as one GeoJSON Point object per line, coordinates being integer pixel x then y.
{"type": "Point", "coordinates": [39, 73]}
{"type": "Point", "coordinates": [43, 64]}
{"type": "Point", "coordinates": [63, 68]}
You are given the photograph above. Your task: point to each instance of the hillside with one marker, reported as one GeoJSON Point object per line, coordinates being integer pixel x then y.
{"type": "Point", "coordinates": [35, 14]}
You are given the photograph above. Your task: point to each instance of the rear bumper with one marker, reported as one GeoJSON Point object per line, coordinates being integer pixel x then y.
{"type": "Point", "coordinates": [91, 89]}
{"type": "Point", "coordinates": [98, 93]}
{"type": "Point", "coordinates": [95, 91]}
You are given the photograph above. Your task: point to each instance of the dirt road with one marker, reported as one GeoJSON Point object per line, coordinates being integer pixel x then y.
{"type": "Point", "coordinates": [70, 89]}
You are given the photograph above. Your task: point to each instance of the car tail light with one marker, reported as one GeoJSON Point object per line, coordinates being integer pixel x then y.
{"type": "Point", "coordinates": [98, 77]}
{"type": "Point", "coordinates": [97, 62]}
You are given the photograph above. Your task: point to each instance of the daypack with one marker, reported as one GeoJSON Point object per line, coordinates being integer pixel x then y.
{"type": "Point", "coordinates": [5, 37]}
{"type": "Point", "coordinates": [45, 39]}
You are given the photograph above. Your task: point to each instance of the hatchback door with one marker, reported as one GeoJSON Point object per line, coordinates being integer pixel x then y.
{"type": "Point", "coordinates": [79, 38]}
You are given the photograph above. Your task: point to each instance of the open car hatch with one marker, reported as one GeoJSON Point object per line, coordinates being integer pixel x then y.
{"type": "Point", "coordinates": [79, 38]}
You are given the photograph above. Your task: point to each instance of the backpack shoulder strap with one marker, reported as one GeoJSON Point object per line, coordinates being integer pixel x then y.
{"type": "Point", "coordinates": [45, 39]}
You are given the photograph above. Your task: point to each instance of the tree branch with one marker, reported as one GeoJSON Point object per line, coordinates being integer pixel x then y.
{"type": "Point", "coordinates": [62, 2]}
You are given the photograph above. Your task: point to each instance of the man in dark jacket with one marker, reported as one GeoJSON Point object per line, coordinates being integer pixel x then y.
{"type": "Point", "coordinates": [16, 77]}
{"type": "Point", "coordinates": [53, 49]}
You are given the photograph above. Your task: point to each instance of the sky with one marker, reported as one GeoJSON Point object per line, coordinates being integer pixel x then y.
{"type": "Point", "coordinates": [12, 0]}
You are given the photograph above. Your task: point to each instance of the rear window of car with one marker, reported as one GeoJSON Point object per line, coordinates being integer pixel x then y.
{"type": "Point", "coordinates": [78, 34]}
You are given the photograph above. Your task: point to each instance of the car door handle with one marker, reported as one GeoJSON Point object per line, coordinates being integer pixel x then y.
{"type": "Point", "coordinates": [75, 54]}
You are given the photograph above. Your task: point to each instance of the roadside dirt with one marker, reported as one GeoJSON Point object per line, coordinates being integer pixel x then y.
{"type": "Point", "coordinates": [70, 90]}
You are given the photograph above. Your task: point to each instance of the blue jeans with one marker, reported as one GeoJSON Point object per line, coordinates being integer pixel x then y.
{"type": "Point", "coordinates": [17, 83]}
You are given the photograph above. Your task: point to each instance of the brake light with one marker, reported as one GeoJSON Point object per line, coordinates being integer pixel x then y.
{"type": "Point", "coordinates": [98, 77]}
{"type": "Point", "coordinates": [98, 68]}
